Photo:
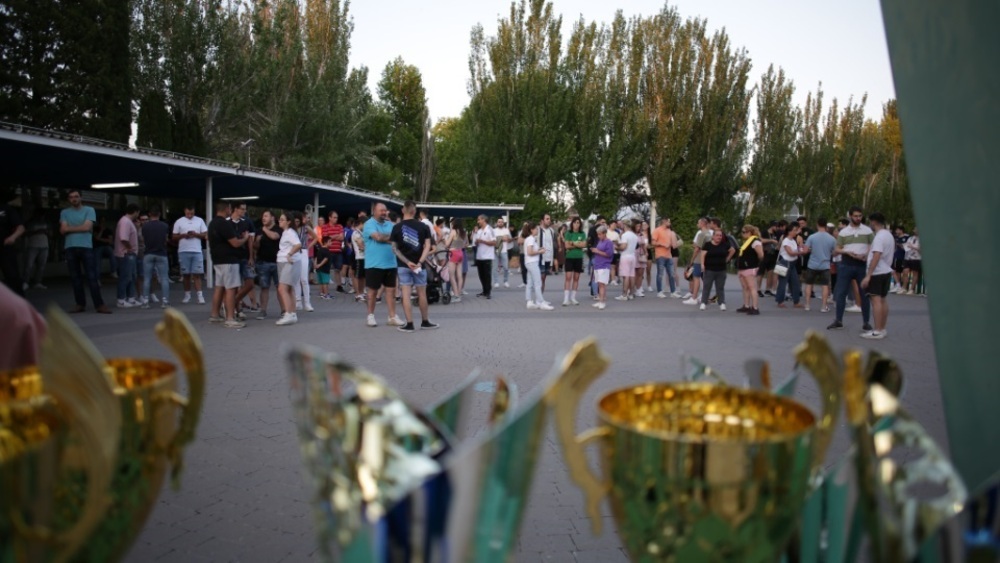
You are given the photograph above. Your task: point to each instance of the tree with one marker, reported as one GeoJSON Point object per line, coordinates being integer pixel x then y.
{"type": "Point", "coordinates": [776, 130]}
{"type": "Point", "coordinates": [401, 92]}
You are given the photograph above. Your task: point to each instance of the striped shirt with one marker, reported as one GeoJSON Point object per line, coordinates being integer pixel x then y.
{"type": "Point", "coordinates": [855, 240]}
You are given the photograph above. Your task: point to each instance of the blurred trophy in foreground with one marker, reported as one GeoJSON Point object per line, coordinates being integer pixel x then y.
{"type": "Point", "coordinates": [55, 419]}
{"type": "Point", "coordinates": [151, 424]}
{"type": "Point", "coordinates": [392, 483]}
{"type": "Point", "coordinates": [698, 471]}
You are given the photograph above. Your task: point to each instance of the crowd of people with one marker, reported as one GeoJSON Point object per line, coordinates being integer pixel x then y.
{"type": "Point", "coordinates": [853, 264]}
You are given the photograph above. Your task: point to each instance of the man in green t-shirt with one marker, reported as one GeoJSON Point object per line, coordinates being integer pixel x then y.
{"type": "Point", "coordinates": [76, 224]}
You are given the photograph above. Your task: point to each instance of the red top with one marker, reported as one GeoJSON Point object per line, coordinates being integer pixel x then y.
{"type": "Point", "coordinates": [329, 230]}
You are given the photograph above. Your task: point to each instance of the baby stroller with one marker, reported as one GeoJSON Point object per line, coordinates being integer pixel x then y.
{"type": "Point", "coordinates": [437, 275]}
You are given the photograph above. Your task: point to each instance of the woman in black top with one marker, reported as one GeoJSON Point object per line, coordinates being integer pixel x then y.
{"type": "Point", "coordinates": [750, 256]}
{"type": "Point", "coordinates": [716, 253]}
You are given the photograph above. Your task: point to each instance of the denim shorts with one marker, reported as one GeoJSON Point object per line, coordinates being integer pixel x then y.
{"type": "Point", "coordinates": [267, 274]}
{"type": "Point", "coordinates": [191, 263]}
{"type": "Point", "coordinates": [247, 272]}
{"type": "Point", "coordinates": [407, 276]}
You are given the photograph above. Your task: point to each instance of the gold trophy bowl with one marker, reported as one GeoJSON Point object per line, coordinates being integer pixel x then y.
{"type": "Point", "coordinates": [697, 471]}
{"type": "Point", "coordinates": [157, 423]}
{"type": "Point", "coordinates": [51, 421]}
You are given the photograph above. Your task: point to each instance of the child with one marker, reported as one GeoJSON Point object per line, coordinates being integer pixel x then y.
{"type": "Point", "coordinates": [603, 252]}
{"type": "Point", "coordinates": [321, 263]}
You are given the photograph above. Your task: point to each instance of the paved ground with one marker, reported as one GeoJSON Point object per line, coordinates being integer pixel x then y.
{"type": "Point", "coordinates": [242, 496]}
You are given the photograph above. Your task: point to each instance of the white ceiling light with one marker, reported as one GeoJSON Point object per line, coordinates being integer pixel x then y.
{"type": "Point", "coordinates": [240, 198]}
{"type": "Point", "coordinates": [115, 185]}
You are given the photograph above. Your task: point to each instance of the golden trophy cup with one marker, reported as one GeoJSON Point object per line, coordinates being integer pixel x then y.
{"type": "Point", "coordinates": [697, 471]}
{"type": "Point", "coordinates": [53, 419]}
{"type": "Point", "coordinates": [152, 424]}
{"type": "Point", "coordinates": [157, 424]}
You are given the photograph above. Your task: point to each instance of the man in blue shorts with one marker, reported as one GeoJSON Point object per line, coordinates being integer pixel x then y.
{"type": "Point", "coordinates": [411, 243]}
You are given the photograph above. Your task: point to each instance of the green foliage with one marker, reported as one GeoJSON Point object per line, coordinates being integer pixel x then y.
{"type": "Point", "coordinates": [65, 66]}
{"type": "Point", "coordinates": [401, 94]}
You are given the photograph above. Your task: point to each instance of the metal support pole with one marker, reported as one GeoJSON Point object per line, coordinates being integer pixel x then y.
{"type": "Point", "coordinates": [315, 217]}
{"type": "Point", "coordinates": [210, 214]}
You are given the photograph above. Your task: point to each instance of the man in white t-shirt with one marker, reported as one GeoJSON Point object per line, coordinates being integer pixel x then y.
{"type": "Point", "coordinates": [694, 284]}
{"type": "Point", "coordinates": [189, 231]}
{"type": "Point", "coordinates": [879, 275]}
{"type": "Point", "coordinates": [547, 238]}
{"type": "Point", "coordinates": [503, 250]}
{"type": "Point", "coordinates": [485, 242]}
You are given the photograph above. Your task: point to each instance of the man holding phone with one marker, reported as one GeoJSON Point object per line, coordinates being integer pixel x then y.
{"type": "Point", "coordinates": [189, 231]}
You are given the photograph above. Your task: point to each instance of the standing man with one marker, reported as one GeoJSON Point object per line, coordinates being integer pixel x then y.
{"type": "Point", "coordinates": [335, 231]}
{"type": "Point", "coordinates": [11, 229]}
{"type": "Point", "coordinates": [853, 245]}
{"type": "Point", "coordinates": [411, 243]}
{"type": "Point", "coordinates": [189, 231]}
{"type": "Point", "coordinates": [224, 244]}
{"type": "Point", "coordinates": [503, 237]}
{"type": "Point", "coordinates": [485, 242]}
{"type": "Point", "coordinates": [126, 247]}
{"type": "Point", "coordinates": [243, 225]}
{"type": "Point", "coordinates": [878, 275]}
{"type": "Point", "coordinates": [76, 223]}
{"type": "Point", "coordinates": [380, 263]}
{"type": "Point", "coordinates": [38, 250]}
{"type": "Point", "coordinates": [694, 284]}
{"type": "Point", "coordinates": [155, 233]}
{"type": "Point", "coordinates": [547, 239]}
{"type": "Point", "coordinates": [817, 272]}
{"type": "Point", "coordinates": [663, 243]}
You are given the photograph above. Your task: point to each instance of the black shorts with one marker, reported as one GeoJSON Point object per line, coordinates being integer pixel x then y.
{"type": "Point", "coordinates": [616, 259]}
{"type": "Point", "coordinates": [378, 277]}
{"type": "Point", "coordinates": [574, 265]}
{"type": "Point", "coordinates": [545, 267]}
{"type": "Point", "coordinates": [879, 285]}
{"type": "Point", "coordinates": [815, 277]}
{"type": "Point", "coordinates": [336, 260]}
{"type": "Point", "coordinates": [898, 265]}
{"type": "Point", "coordinates": [913, 265]}
{"type": "Point", "coordinates": [359, 268]}
{"type": "Point", "coordinates": [767, 263]}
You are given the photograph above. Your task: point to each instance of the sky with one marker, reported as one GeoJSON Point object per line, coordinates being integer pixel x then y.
{"type": "Point", "coordinates": [841, 44]}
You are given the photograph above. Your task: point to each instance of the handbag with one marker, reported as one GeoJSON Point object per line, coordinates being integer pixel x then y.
{"type": "Point", "coordinates": [781, 269]}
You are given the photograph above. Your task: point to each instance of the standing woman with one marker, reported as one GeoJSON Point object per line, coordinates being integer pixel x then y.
{"type": "Point", "coordinates": [717, 252]}
{"type": "Point", "coordinates": [788, 253]}
{"type": "Point", "coordinates": [575, 240]}
{"type": "Point", "coordinates": [289, 271]}
{"type": "Point", "coordinates": [532, 251]}
{"type": "Point", "coordinates": [307, 238]}
{"type": "Point", "coordinates": [751, 256]}
{"type": "Point", "coordinates": [650, 256]}
{"type": "Point", "coordinates": [559, 260]}
{"type": "Point", "coordinates": [456, 248]}
{"type": "Point", "coordinates": [642, 258]}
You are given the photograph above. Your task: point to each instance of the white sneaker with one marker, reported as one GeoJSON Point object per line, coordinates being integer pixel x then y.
{"type": "Point", "coordinates": [201, 298]}
{"type": "Point", "coordinates": [621, 298]}
{"type": "Point", "coordinates": [661, 295]}
{"type": "Point", "coordinates": [686, 296]}
{"type": "Point", "coordinates": [690, 301]}
{"type": "Point", "coordinates": [135, 302]}
{"type": "Point", "coordinates": [371, 320]}
{"type": "Point", "coordinates": [497, 284]}
{"type": "Point", "coordinates": [910, 292]}
{"type": "Point", "coordinates": [650, 289]}
{"type": "Point", "coordinates": [574, 302]}
{"type": "Point", "coordinates": [873, 334]}
{"type": "Point", "coordinates": [722, 307]}
{"type": "Point", "coordinates": [596, 305]}
{"type": "Point", "coordinates": [807, 308]}
{"type": "Point", "coordinates": [614, 282]}
{"type": "Point", "coordinates": [546, 307]}
{"type": "Point", "coordinates": [154, 298]}
{"type": "Point", "coordinates": [164, 304]}
{"type": "Point", "coordinates": [701, 307]}
{"type": "Point", "coordinates": [506, 284]}
{"type": "Point", "coordinates": [396, 321]}
{"type": "Point", "coordinates": [124, 304]}
{"type": "Point", "coordinates": [532, 305]}
{"type": "Point", "coordinates": [309, 309]}
{"type": "Point", "coordinates": [520, 286]}
{"type": "Point", "coordinates": [676, 295]}
{"type": "Point", "coordinates": [601, 305]}
{"type": "Point", "coordinates": [144, 300]}
{"type": "Point", "coordinates": [853, 309]}
{"type": "Point", "coordinates": [187, 297]}
{"type": "Point", "coordinates": [286, 319]}
{"type": "Point", "coordinates": [565, 303]}
{"type": "Point", "coordinates": [640, 293]}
